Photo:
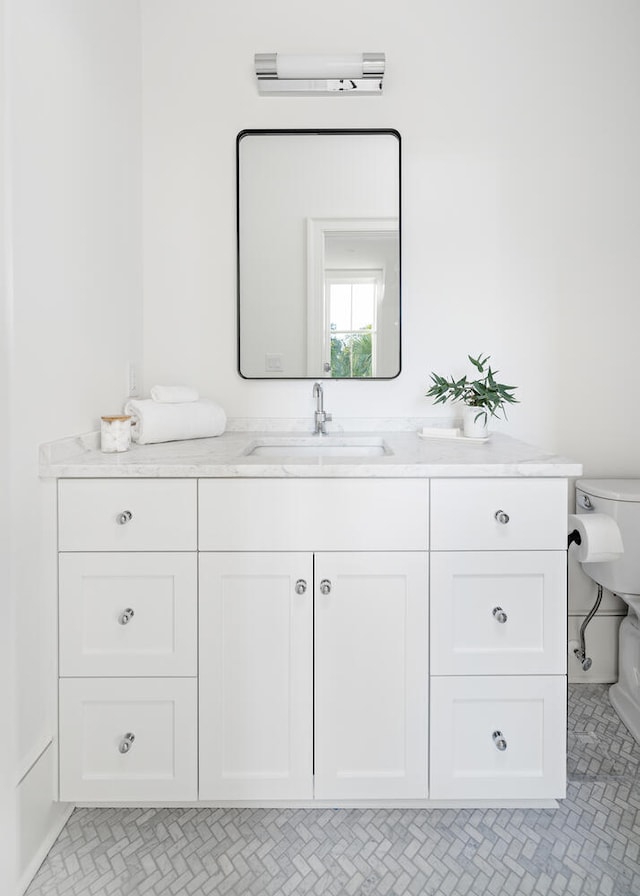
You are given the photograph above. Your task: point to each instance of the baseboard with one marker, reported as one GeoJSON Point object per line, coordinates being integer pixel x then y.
{"type": "Point", "coordinates": [546, 803]}
{"type": "Point", "coordinates": [39, 818]}
{"type": "Point", "coordinates": [50, 837]}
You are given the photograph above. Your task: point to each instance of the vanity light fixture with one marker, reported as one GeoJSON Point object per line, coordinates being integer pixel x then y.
{"type": "Point", "coordinates": [281, 74]}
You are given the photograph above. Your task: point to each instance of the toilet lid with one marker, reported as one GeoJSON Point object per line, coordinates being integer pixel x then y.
{"type": "Point", "coordinates": [614, 489]}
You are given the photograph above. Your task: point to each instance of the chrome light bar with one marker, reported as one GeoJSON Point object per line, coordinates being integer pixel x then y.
{"type": "Point", "coordinates": [282, 74]}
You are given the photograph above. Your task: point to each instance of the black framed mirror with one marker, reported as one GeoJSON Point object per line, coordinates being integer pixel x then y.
{"type": "Point", "coordinates": [318, 223]}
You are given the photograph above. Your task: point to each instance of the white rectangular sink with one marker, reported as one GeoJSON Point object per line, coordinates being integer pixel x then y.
{"type": "Point", "coordinates": [318, 446]}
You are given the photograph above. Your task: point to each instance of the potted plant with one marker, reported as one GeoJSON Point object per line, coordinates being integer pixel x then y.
{"type": "Point", "coordinates": [482, 397]}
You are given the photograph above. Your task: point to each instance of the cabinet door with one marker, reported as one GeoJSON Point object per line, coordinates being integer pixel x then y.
{"type": "Point", "coordinates": [371, 631]}
{"type": "Point", "coordinates": [498, 612]}
{"type": "Point", "coordinates": [256, 676]}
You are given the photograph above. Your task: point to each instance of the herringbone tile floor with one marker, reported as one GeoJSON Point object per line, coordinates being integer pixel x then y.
{"type": "Point", "coordinates": [590, 846]}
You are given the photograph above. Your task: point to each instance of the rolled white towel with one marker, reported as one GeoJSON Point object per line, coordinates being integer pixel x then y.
{"type": "Point", "coordinates": [156, 421]}
{"type": "Point", "coordinates": [174, 394]}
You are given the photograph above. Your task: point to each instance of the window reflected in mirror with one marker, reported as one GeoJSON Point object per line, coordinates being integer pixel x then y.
{"type": "Point", "coordinates": [351, 334]}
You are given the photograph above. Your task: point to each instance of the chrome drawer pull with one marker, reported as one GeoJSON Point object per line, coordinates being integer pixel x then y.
{"type": "Point", "coordinates": [325, 586]}
{"type": "Point", "coordinates": [499, 741]}
{"type": "Point", "coordinates": [300, 586]}
{"type": "Point", "coordinates": [499, 614]}
{"type": "Point", "coordinates": [126, 616]}
{"type": "Point", "coordinates": [501, 517]}
{"type": "Point", "coordinates": [126, 742]}
{"type": "Point", "coordinates": [124, 517]}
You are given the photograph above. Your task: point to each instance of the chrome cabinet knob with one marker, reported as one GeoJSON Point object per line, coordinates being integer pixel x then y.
{"type": "Point", "coordinates": [126, 616]}
{"type": "Point", "coordinates": [124, 517]}
{"type": "Point", "coordinates": [325, 586]}
{"type": "Point", "coordinates": [300, 586]}
{"type": "Point", "coordinates": [499, 741]}
{"type": "Point", "coordinates": [501, 517]}
{"type": "Point", "coordinates": [126, 742]}
{"type": "Point", "coordinates": [499, 615]}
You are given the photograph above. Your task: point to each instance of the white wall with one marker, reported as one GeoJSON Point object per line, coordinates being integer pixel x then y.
{"type": "Point", "coordinates": [74, 142]}
{"type": "Point", "coordinates": [521, 199]}
{"type": "Point", "coordinates": [7, 629]}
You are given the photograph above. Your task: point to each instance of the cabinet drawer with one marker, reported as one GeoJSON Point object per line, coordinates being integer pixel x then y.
{"type": "Point", "coordinates": [313, 514]}
{"type": "Point", "coordinates": [128, 614]}
{"type": "Point", "coordinates": [471, 718]}
{"type": "Point", "coordinates": [127, 515]}
{"type": "Point", "coordinates": [95, 717]}
{"type": "Point", "coordinates": [498, 514]}
{"type": "Point", "coordinates": [498, 612]}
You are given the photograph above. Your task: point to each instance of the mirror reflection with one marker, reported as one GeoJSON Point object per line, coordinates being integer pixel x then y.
{"type": "Point", "coordinates": [319, 254]}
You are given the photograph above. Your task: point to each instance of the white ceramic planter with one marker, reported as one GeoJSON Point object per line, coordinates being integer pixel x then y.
{"type": "Point", "coordinates": [473, 428]}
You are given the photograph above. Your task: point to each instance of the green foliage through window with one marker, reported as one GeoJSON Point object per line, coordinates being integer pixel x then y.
{"type": "Point", "coordinates": [351, 355]}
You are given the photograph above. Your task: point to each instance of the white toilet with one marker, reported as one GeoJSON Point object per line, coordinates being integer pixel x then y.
{"type": "Point", "coordinates": [620, 499]}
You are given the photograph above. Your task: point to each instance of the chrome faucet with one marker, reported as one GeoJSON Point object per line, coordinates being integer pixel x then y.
{"type": "Point", "coordinates": [320, 416]}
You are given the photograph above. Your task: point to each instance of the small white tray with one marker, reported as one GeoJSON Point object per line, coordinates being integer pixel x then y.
{"type": "Point", "coordinates": [450, 436]}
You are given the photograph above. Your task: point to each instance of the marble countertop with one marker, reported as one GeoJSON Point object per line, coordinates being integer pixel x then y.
{"type": "Point", "coordinates": [226, 456]}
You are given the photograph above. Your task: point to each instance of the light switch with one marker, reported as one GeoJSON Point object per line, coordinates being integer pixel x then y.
{"type": "Point", "coordinates": [273, 361]}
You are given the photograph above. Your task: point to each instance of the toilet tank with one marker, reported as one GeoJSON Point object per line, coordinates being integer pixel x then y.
{"type": "Point", "coordinates": [620, 499]}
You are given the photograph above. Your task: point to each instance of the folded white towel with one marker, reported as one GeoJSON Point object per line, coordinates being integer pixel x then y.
{"type": "Point", "coordinates": [155, 421]}
{"type": "Point", "coordinates": [174, 393]}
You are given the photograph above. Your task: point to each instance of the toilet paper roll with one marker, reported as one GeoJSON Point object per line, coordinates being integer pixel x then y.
{"type": "Point", "coordinates": [600, 538]}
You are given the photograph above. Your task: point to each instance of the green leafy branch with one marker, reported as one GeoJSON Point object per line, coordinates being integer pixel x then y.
{"type": "Point", "coordinates": [484, 393]}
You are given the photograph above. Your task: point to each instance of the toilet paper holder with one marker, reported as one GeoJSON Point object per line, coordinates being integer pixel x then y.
{"type": "Point", "coordinates": [574, 538]}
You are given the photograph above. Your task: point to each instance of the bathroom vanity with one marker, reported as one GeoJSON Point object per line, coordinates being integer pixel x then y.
{"type": "Point", "coordinates": [383, 625]}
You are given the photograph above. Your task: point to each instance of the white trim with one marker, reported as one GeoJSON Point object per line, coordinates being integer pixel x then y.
{"type": "Point", "coordinates": [31, 758]}
{"type": "Point", "coordinates": [51, 836]}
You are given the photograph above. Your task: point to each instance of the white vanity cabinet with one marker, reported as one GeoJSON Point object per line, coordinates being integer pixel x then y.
{"type": "Point", "coordinates": [128, 640]}
{"type": "Point", "coordinates": [313, 662]}
{"type": "Point", "coordinates": [254, 639]}
{"type": "Point", "coordinates": [498, 639]}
